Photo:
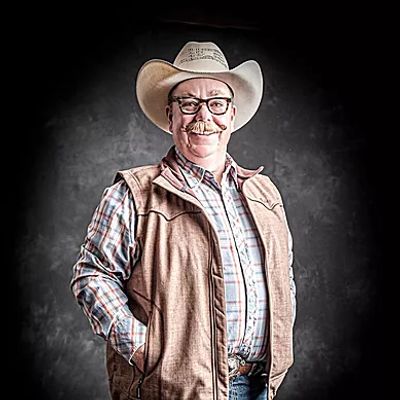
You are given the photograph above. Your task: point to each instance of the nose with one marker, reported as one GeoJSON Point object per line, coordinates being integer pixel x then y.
{"type": "Point", "coordinates": [203, 114]}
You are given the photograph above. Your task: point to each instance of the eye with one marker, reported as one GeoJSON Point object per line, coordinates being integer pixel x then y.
{"type": "Point", "coordinates": [190, 103]}
{"type": "Point", "coordinates": [218, 106]}
{"type": "Point", "coordinates": [217, 103]}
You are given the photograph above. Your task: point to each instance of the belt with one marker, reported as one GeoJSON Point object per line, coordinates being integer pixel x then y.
{"type": "Point", "coordinates": [237, 366]}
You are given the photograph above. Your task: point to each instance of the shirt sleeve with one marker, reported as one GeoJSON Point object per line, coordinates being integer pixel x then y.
{"type": "Point", "coordinates": [104, 264]}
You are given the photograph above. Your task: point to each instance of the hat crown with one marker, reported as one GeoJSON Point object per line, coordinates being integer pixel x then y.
{"type": "Point", "coordinates": [201, 57]}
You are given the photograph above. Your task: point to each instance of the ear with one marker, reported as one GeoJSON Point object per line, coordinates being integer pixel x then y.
{"type": "Point", "coordinates": [233, 113]}
{"type": "Point", "coordinates": [168, 112]}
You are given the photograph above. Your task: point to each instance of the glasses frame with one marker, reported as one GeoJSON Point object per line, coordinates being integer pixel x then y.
{"type": "Point", "coordinates": [178, 99]}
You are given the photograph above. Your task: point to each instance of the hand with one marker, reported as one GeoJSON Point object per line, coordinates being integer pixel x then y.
{"type": "Point", "coordinates": [138, 358]}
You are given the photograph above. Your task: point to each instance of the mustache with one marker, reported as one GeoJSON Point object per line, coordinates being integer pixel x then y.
{"type": "Point", "coordinates": [204, 127]}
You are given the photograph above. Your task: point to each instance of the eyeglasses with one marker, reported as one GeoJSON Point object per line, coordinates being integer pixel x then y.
{"type": "Point", "coordinates": [191, 105]}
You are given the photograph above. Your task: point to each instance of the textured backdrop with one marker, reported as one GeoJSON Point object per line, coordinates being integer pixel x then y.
{"type": "Point", "coordinates": [81, 123]}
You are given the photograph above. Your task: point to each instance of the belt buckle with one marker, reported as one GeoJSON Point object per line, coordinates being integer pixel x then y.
{"type": "Point", "coordinates": [235, 361]}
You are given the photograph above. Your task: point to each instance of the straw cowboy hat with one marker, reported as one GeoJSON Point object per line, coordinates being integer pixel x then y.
{"type": "Point", "coordinates": [198, 60]}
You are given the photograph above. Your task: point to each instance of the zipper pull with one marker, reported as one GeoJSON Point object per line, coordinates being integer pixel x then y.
{"type": "Point", "coordinates": [138, 390]}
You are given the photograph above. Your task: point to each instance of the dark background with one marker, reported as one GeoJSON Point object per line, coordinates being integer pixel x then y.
{"type": "Point", "coordinates": [77, 122]}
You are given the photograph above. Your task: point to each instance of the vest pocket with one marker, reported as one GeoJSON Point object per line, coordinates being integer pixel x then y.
{"type": "Point", "coordinates": [154, 341]}
{"type": "Point", "coordinates": [148, 384]}
{"type": "Point", "coordinates": [121, 375]}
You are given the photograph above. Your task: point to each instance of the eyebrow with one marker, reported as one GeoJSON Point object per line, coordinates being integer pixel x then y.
{"type": "Point", "coordinates": [215, 92]}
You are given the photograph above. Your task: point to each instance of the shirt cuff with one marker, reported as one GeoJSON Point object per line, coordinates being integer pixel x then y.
{"type": "Point", "coordinates": [131, 358]}
{"type": "Point", "coordinates": [127, 334]}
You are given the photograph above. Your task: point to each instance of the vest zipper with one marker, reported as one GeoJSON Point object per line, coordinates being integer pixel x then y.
{"type": "Point", "coordinates": [270, 333]}
{"type": "Point", "coordinates": [138, 389]}
{"type": "Point", "coordinates": [213, 344]}
{"type": "Point", "coordinates": [139, 385]}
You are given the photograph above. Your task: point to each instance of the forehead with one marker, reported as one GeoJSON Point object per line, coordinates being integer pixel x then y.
{"type": "Point", "coordinates": [202, 85]}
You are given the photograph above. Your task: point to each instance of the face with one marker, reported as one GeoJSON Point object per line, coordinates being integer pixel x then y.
{"type": "Point", "coordinates": [203, 136]}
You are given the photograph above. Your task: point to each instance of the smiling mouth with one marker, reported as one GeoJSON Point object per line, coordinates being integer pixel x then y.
{"type": "Point", "coordinates": [203, 133]}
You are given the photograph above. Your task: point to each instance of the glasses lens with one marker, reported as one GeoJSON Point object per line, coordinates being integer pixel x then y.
{"type": "Point", "coordinates": [218, 106]}
{"type": "Point", "coordinates": [189, 105]}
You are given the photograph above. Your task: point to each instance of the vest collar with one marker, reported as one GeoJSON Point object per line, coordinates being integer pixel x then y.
{"type": "Point", "coordinates": [170, 170]}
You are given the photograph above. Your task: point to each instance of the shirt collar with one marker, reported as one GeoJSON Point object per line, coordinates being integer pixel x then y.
{"type": "Point", "coordinates": [198, 173]}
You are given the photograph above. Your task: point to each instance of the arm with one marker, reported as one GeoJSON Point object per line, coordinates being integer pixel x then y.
{"type": "Point", "coordinates": [105, 263]}
{"type": "Point", "coordinates": [292, 282]}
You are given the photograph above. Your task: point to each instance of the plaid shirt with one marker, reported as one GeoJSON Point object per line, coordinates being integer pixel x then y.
{"type": "Point", "coordinates": [242, 256]}
{"type": "Point", "coordinates": [106, 262]}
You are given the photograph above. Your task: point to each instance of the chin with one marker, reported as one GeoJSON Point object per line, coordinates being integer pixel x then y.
{"type": "Point", "coordinates": [202, 151]}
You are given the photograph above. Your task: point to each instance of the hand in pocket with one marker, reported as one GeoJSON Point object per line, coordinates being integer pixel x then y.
{"type": "Point", "coordinates": [138, 358]}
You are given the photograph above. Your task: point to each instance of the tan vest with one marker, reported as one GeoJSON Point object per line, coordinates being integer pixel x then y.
{"type": "Point", "coordinates": [177, 289]}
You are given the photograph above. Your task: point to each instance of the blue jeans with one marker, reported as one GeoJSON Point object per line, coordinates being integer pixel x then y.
{"type": "Point", "coordinates": [245, 387]}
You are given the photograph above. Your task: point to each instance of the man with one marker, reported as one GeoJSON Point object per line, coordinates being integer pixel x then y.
{"type": "Point", "coordinates": [186, 267]}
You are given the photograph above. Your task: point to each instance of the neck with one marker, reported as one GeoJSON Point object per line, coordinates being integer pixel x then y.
{"type": "Point", "coordinates": [214, 164]}
{"type": "Point", "coordinates": [217, 167]}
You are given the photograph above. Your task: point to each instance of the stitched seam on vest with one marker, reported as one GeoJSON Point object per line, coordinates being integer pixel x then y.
{"type": "Point", "coordinates": [266, 205]}
{"type": "Point", "coordinates": [165, 216]}
{"type": "Point", "coordinates": [268, 200]}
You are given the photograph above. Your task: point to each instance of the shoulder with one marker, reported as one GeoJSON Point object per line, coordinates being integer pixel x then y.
{"type": "Point", "coordinates": [116, 198]}
{"type": "Point", "coordinates": [117, 191]}
{"type": "Point", "coordinates": [262, 185]}
{"type": "Point", "coordinates": [140, 176]}
{"type": "Point", "coordinates": [266, 180]}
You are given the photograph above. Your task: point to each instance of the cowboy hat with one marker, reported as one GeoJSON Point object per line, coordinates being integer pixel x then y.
{"type": "Point", "coordinates": [157, 77]}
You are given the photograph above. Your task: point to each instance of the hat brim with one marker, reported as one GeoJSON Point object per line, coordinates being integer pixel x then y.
{"type": "Point", "coordinates": [157, 77]}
